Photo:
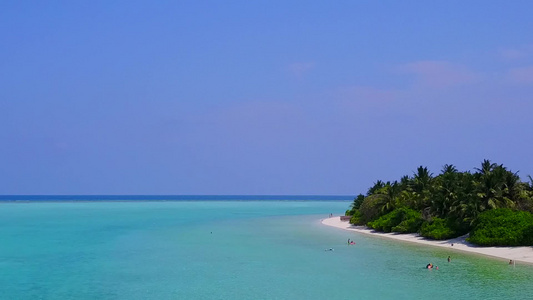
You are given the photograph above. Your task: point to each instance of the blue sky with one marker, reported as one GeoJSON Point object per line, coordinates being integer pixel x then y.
{"type": "Point", "coordinates": [259, 97]}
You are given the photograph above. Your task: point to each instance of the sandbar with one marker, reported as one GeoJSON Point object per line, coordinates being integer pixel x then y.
{"type": "Point", "coordinates": [517, 254]}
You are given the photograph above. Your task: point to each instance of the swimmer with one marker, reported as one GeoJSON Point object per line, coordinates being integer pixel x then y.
{"type": "Point", "coordinates": [449, 259]}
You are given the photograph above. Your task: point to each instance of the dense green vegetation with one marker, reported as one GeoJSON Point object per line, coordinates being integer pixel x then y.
{"type": "Point", "coordinates": [503, 227]}
{"type": "Point", "coordinates": [403, 220]}
{"type": "Point", "coordinates": [492, 204]}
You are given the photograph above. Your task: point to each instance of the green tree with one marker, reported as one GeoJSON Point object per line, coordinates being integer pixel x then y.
{"type": "Point", "coordinates": [356, 204]}
{"type": "Point", "coordinates": [420, 185]}
{"type": "Point", "coordinates": [490, 186]}
{"type": "Point", "coordinates": [391, 191]}
{"type": "Point", "coordinates": [446, 192]}
{"type": "Point", "coordinates": [503, 227]}
{"type": "Point", "coordinates": [449, 204]}
{"type": "Point", "coordinates": [376, 187]}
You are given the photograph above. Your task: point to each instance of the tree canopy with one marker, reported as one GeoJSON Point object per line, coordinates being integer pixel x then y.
{"type": "Point", "coordinates": [447, 205]}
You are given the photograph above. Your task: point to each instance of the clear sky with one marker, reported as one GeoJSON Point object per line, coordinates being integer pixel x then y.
{"type": "Point", "coordinates": [259, 97]}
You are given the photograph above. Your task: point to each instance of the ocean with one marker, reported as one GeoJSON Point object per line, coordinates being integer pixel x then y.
{"type": "Point", "coordinates": [224, 247]}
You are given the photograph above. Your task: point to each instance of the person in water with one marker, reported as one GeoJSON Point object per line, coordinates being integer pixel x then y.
{"type": "Point", "coordinates": [429, 266]}
{"type": "Point", "coordinates": [449, 259]}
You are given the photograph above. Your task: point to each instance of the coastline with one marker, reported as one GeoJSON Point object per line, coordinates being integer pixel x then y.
{"type": "Point", "coordinates": [517, 254]}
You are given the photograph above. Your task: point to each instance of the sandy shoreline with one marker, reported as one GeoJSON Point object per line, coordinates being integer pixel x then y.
{"type": "Point", "coordinates": [518, 254]}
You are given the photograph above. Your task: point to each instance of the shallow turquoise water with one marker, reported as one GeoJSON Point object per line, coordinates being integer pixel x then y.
{"type": "Point", "coordinates": [226, 250]}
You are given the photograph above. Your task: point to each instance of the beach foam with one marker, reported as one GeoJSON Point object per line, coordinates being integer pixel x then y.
{"type": "Point", "coordinates": [518, 254]}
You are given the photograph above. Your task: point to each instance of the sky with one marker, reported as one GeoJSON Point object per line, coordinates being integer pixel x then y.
{"type": "Point", "coordinates": [259, 97]}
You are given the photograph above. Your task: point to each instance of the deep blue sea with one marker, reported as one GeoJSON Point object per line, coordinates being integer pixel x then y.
{"type": "Point", "coordinates": [224, 247]}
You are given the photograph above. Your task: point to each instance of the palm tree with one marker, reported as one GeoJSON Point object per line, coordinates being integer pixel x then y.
{"type": "Point", "coordinates": [490, 187]}
{"type": "Point", "coordinates": [391, 191]}
{"type": "Point", "coordinates": [530, 184]}
{"type": "Point", "coordinates": [526, 202]}
{"type": "Point", "coordinates": [421, 184]}
{"type": "Point", "coordinates": [469, 210]}
{"type": "Point", "coordinates": [512, 186]}
{"type": "Point", "coordinates": [449, 169]}
{"type": "Point", "coordinates": [446, 191]}
{"type": "Point", "coordinates": [357, 201]}
{"type": "Point", "coordinates": [376, 187]}
{"type": "Point", "coordinates": [405, 182]}
{"type": "Point", "coordinates": [486, 167]}
{"type": "Point", "coordinates": [422, 179]}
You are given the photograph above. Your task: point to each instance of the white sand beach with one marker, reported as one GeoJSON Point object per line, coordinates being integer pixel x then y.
{"type": "Point", "coordinates": [518, 254]}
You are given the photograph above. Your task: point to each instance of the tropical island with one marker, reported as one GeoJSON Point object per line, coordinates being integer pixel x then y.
{"type": "Point", "coordinates": [491, 205]}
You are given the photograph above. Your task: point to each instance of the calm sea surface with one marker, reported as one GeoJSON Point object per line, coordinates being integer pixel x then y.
{"type": "Point", "coordinates": [230, 247]}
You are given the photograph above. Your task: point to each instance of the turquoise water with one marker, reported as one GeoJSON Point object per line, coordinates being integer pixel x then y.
{"type": "Point", "coordinates": [226, 250]}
